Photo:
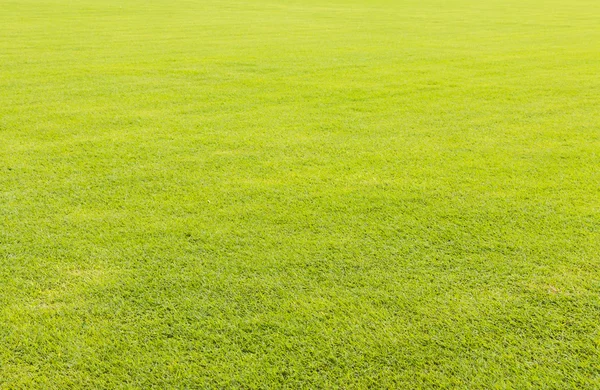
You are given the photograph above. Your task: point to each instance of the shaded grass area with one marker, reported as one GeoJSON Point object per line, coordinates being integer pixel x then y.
{"type": "Point", "coordinates": [339, 194]}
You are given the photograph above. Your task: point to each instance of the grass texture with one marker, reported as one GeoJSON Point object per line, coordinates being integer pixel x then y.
{"type": "Point", "coordinates": [300, 194]}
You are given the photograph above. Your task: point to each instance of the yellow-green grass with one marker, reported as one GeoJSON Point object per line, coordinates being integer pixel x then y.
{"type": "Point", "coordinates": [300, 194]}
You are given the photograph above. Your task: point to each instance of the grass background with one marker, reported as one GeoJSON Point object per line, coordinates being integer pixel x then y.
{"type": "Point", "coordinates": [318, 194]}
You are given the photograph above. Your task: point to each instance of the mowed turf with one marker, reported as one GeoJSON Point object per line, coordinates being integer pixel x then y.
{"type": "Point", "coordinates": [300, 194]}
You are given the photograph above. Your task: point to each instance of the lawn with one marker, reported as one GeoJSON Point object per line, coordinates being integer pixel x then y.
{"type": "Point", "coordinates": [300, 194]}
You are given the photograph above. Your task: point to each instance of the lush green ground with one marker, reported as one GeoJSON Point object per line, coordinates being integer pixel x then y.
{"type": "Point", "coordinates": [300, 193]}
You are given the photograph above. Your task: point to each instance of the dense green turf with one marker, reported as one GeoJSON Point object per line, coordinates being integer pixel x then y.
{"type": "Point", "coordinates": [300, 193]}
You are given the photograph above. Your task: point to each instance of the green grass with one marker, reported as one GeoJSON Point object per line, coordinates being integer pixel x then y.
{"type": "Point", "coordinates": [300, 194]}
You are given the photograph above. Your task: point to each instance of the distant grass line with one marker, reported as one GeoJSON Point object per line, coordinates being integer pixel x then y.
{"type": "Point", "coordinates": [299, 194]}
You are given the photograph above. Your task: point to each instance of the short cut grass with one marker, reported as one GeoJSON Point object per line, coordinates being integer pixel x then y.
{"type": "Point", "coordinates": [300, 194]}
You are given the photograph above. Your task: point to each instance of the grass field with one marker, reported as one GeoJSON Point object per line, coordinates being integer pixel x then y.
{"type": "Point", "coordinates": [300, 194]}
